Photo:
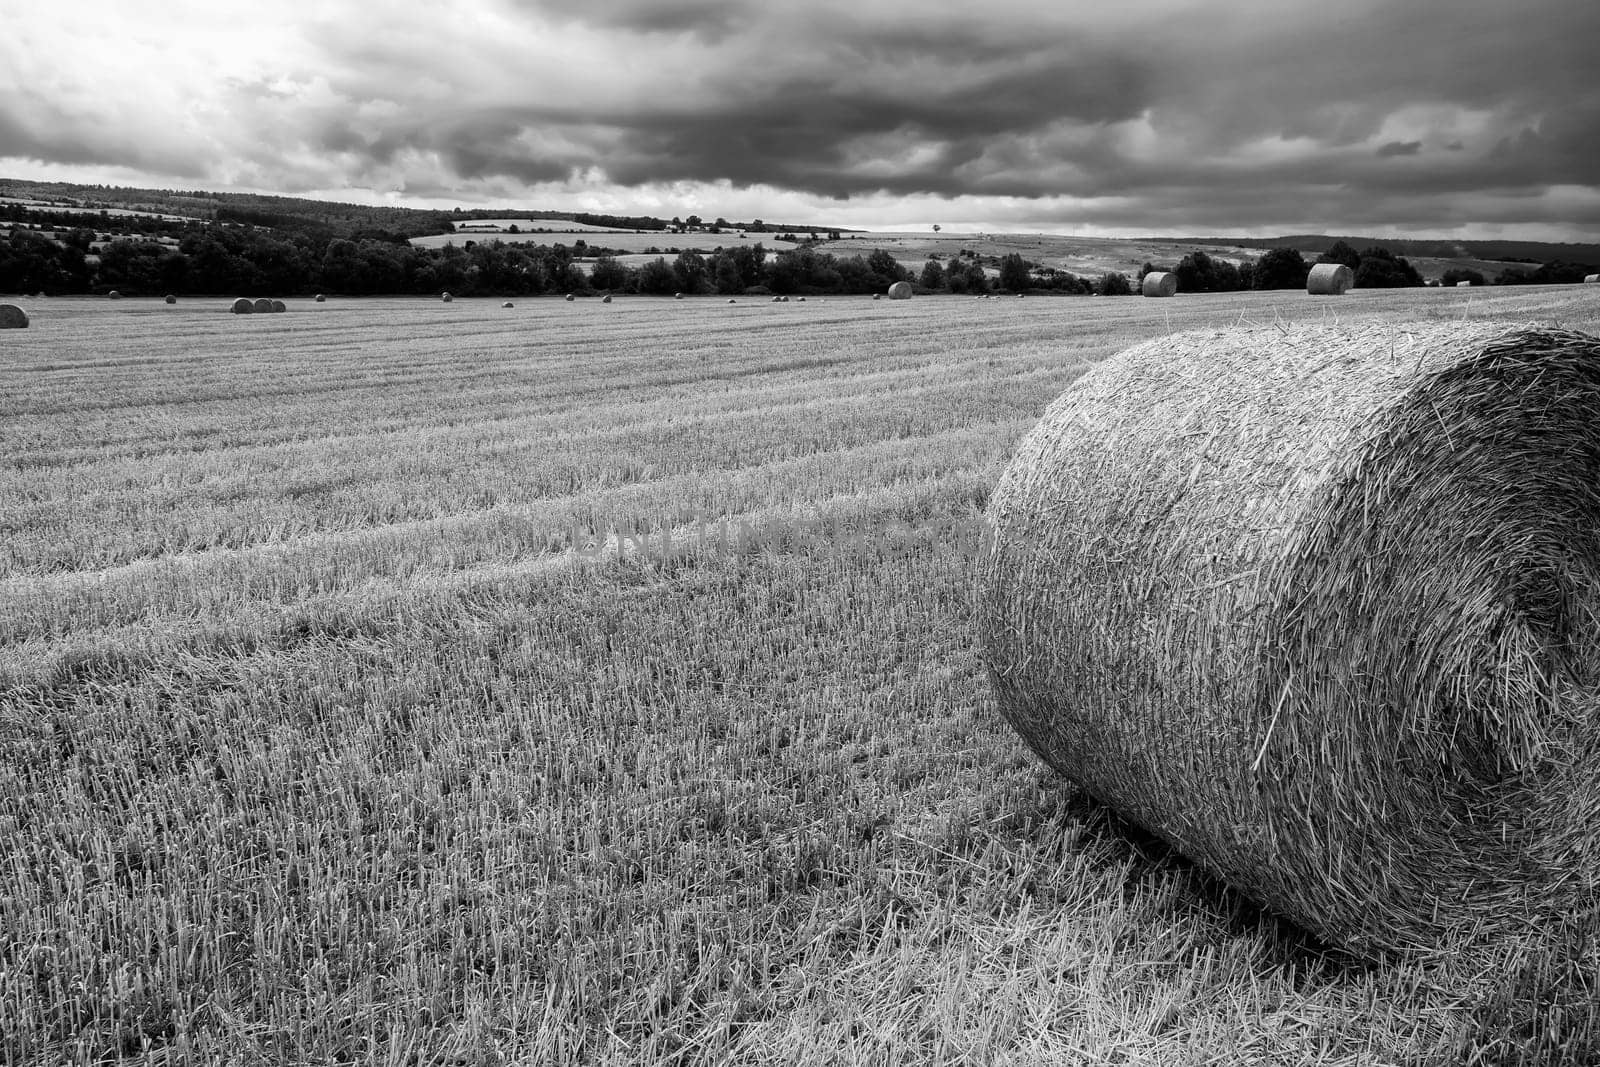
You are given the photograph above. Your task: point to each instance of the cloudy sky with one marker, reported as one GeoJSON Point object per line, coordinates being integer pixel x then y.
{"type": "Point", "coordinates": [1469, 118]}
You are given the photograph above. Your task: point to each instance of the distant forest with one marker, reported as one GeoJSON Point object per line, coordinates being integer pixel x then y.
{"type": "Point", "coordinates": [250, 245]}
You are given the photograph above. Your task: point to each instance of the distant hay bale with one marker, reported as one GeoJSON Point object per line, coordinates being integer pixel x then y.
{"type": "Point", "coordinates": [508, 304]}
{"type": "Point", "coordinates": [243, 306]}
{"type": "Point", "coordinates": [1330, 279]}
{"type": "Point", "coordinates": [322, 298]}
{"type": "Point", "coordinates": [801, 299]}
{"type": "Point", "coordinates": [1316, 605]}
{"type": "Point", "coordinates": [1591, 279]}
{"type": "Point", "coordinates": [114, 295]}
{"type": "Point", "coordinates": [279, 306]}
{"type": "Point", "coordinates": [1463, 285]}
{"type": "Point", "coordinates": [13, 317]}
{"type": "Point", "coordinates": [570, 298]}
{"type": "Point", "coordinates": [876, 296]}
{"type": "Point", "coordinates": [446, 298]}
{"type": "Point", "coordinates": [1160, 283]}
{"type": "Point", "coordinates": [731, 300]}
{"type": "Point", "coordinates": [677, 296]}
{"type": "Point", "coordinates": [263, 306]}
{"type": "Point", "coordinates": [171, 299]}
{"type": "Point", "coordinates": [606, 299]}
{"type": "Point", "coordinates": [900, 291]}
{"type": "Point", "coordinates": [777, 300]}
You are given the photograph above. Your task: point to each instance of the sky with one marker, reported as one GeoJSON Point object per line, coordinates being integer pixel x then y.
{"type": "Point", "coordinates": [1450, 118]}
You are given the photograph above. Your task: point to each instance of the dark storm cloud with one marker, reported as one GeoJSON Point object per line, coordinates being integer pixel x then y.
{"type": "Point", "coordinates": [1399, 148]}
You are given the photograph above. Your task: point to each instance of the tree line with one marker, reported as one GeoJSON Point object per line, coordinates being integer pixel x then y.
{"type": "Point", "coordinates": [247, 261]}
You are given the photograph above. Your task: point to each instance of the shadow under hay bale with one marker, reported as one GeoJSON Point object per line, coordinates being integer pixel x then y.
{"type": "Point", "coordinates": [243, 306]}
{"type": "Point", "coordinates": [1330, 279]}
{"type": "Point", "coordinates": [1159, 283]}
{"type": "Point", "coordinates": [1320, 606]}
{"type": "Point", "coordinates": [12, 317]}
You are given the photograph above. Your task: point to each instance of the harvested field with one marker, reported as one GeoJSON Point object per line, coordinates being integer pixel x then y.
{"type": "Point", "coordinates": [352, 703]}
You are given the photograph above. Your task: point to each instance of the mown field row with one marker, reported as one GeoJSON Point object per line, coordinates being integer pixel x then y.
{"type": "Point", "coordinates": [332, 727]}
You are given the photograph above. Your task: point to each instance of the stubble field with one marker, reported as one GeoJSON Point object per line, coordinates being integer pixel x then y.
{"type": "Point", "coordinates": [335, 728]}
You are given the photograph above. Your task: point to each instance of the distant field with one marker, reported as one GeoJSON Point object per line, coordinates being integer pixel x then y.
{"type": "Point", "coordinates": [623, 240]}
{"type": "Point", "coordinates": [335, 727]}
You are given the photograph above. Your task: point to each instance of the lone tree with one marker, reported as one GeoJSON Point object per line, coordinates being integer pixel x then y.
{"type": "Point", "coordinates": [1281, 268]}
{"type": "Point", "coordinates": [936, 227]}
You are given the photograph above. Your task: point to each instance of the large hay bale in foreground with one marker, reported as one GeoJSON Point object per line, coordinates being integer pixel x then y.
{"type": "Point", "coordinates": [1318, 605]}
{"type": "Point", "coordinates": [1160, 283]}
{"type": "Point", "coordinates": [1330, 279]}
{"type": "Point", "coordinates": [900, 291]}
{"type": "Point", "coordinates": [13, 317]}
{"type": "Point", "coordinates": [243, 306]}
{"type": "Point", "coordinates": [263, 306]}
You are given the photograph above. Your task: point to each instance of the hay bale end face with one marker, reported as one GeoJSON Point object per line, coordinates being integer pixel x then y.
{"type": "Point", "coordinates": [1330, 279]}
{"type": "Point", "coordinates": [279, 306]}
{"type": "Point", "coordinates": [243, 306]}
{"type": "Point", "coordinates": [262, 306]}
{"type": "Point", "coordinates": [900, 291]}
{"type": "Point", "coordinates": [1247, 588]}
{"type": "Point", "coordinates": [1159, 283]}
{"type": "Point", "coordinates": [12, 317]}
{"type": "Point", "coordinates": [171, 299]}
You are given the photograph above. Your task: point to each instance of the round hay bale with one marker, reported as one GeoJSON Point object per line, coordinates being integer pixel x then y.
{"type": "Point", "coordinates": [606, 299]}
{"type": "Point", "coordinates": [171, 299]}
{"type": "Point", "coordinates": [279, 306]}
{"type": "Point", "coordinates": [113, 295]}
{"type": "Point", "coordinates": [677, 296]}
{"type": "Point", "coordinates": [900, 291]}
{"type": "Point", "coordinates": [1317, 605]}
{"type": "Point", "coordinates": [1160, 283]}
{"type": "Point", "coordinates": [263, 306]}
{"type": "Point", "coordinates": [876, 296]}
{"type": "Point", "coordinates": [446, 297]}
{"type": "Point", "coordinates": [801, 299]}
{"type": "Point", "coordinates": [777, 300]}
{"type": "Point", "coordinates": [243, 306]}
{"type": "Point", "coordinates": [1330, 279]}
{"type": "Point", "coordinates": [322, 298]}
{"type": "Point", "coordinates": [1463, 285]}
{"type": "Point", "coordinates": [13, 317]}
{"type": "Point", "coordinates": [1591, 279]}
{"type": "Point", "coordinates": [731, 300]}
{"type": "Point", "coordinates": [508, 304]}
{"type": "Point", "coordinates": [570, 298]}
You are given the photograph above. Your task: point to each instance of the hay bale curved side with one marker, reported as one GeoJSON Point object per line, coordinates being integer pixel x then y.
{"type": "Point", "coordinates": [900, 291]}
{"type": "Point", "coordinates": [1159, 283]}
{"type": "Point", "coordinates": [243, 306]}
{"type": "Point", "coordinates": [12, 317]}
{"type": "Point", "coordinates": [1318, 607]}
{"type": "Point", "coordinates": [1330, 279]}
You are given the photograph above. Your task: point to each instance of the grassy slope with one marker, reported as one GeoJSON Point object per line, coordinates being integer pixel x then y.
{"type": "Point", "coordinates": [317, 740]}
